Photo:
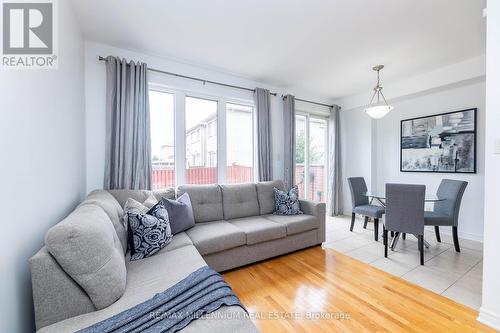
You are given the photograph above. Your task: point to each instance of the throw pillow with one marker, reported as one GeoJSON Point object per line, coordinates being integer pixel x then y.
{"type": "Point", "coordinates": [180, 213]}
{"type": "Point", "coordinates": [287, 203]}
{"type": "Point", "coordinates": [148, 232]}
{"type": "Point", "coordinates": [132, 204]}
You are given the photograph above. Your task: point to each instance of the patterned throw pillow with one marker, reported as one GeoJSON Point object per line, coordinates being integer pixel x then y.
{"type": "Point", "coordinates": [132, 204]}
{"type": "Point", "coordinates": [148, 232]}
{"type": "Point", "coordinates": [287, 203]}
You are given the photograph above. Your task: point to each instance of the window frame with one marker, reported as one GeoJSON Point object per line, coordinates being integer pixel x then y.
{"type": "Point", "coordinates": [180, 140]}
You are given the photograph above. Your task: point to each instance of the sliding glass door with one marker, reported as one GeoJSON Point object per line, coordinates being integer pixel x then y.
{"type": "Point", "coordinates": [311, 150]}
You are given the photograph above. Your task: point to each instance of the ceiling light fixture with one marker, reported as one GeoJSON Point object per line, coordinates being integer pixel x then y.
{"type": "Point", "coordinates": [380, 108]}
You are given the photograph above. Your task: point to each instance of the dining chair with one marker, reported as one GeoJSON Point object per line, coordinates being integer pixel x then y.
{"type": "Point", "coordinates": [404, 213]}
{"type": "Point", "coordinates": [362, 206]}
{"type": "Point", "coordinates": [447, 209]}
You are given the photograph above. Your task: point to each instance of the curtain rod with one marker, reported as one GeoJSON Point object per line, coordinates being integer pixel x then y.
{"type": "Point", "coordinates": [221, 84]}
{"type": "Point", "coordinates": [317, 103]}
{"type": "Point", "coordinates": [197, 79]}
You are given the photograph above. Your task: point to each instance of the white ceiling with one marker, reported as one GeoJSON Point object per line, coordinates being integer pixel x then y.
{"type": "Point", "coordinates": [321, 47]}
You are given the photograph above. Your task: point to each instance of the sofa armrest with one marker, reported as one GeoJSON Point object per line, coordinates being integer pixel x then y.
{"type": "Point", "coordinates": [56, 296]}
{"type": "Point", "coordinates": [317, 209]}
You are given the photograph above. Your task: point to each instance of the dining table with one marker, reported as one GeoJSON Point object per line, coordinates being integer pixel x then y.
{"type": "Point", "coordinates": [379, 197]}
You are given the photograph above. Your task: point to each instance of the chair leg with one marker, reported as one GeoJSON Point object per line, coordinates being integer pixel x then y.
{"type": "Point", "coordinates": [455, 239]}
{"type": "Point", "coordinates": [421, 248]}
{"type": "Point", "coordinates": [392, 233]}
{"type": "Point", "coordinates": [366, 222]}
{"type": "Point", "coordinates": [384, 236]}
{"type": "Point", "coordinates": [438, 236]}
{"type": "Point", "coordinates": [353, 217]}
{"type": "Point", "coordinates": [375, 229]}
{"type": "Point", "coordinates": [404, 235]}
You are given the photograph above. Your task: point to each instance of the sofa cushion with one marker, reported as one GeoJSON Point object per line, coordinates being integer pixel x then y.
{"type": "Point", "coordinates": [265, 195]}
{"type": "Point", "coordinates": [215, 236]}
{"type": "Point", "coordinates": [114, 211]}
{"type": "Point", "coordinates": [295, 224]}
{"type": "Point", "coordinates": [86, 246]}
{"type": "Point", "coordinates": [206, 201]}
{"type": "Point", "coordinates": [180, 213]}
{"type": "Point", "coordinates": [178, 240]}
{"type": "Point", "coordinates": [258, 229]}
{"type": "Point", "coordinates": [239, 200]}
{"type": "Point", "coordinates": [153, 275]}
{"type": "Point", "coordinates": [141, 195]}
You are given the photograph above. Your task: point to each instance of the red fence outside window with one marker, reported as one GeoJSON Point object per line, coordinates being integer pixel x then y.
{"type": "Point", "coordinates": [164, 177]}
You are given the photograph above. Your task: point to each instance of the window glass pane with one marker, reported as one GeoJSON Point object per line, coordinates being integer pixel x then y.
{"type": "Point", "coordinates": [240, 144]}
{"type": "Point", "coordinates": [300, 152]}
{"type": "Point", "coordinates": [162, 139]}
{"type": "Point", "coordinates": [317, 158]}
{"type": "Point", "coordinates": [201, 141]}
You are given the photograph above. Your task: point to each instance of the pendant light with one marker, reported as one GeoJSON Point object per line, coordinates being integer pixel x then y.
{"type": "Point", "coordinates": [380, 108]}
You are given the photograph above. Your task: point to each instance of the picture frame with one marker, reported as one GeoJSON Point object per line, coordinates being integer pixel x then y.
{"type": "Point", "coordinates": [440, 143]}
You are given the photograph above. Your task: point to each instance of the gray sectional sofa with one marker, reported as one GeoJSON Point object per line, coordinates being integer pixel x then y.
{"type": "Point", "coordinates": [234, 226]}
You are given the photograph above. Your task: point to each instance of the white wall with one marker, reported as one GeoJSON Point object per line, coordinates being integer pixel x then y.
{"type": "Point", "coordinates": [356, 145]}
{"type": "Point", "coordinates": [490, 308]}
{"type": "Point", "coordinates": [388, 150]}
{"type": "Point", "coordinates": [95, 97]}
{"type": "Point", "coordinates": [42, 149]}
{"type": "Point", "coordinates": [371, 148]}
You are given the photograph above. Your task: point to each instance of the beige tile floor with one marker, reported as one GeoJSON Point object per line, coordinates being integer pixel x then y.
{"type": "Point", "coordinates": [455, 275]}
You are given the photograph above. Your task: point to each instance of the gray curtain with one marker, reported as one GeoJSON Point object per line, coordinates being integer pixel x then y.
{"type": "Point", "coordinates": [334, 164]}
{"type": "Point", "coordinates": [262, 102]}
{"type": "Point", "coordinates": [128, 138]}
{"type": "Point", "coordinates": [289, 142]}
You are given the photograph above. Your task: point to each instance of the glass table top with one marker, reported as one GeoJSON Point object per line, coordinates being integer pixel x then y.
{"type": "Point", "coordinates": [381, 196]}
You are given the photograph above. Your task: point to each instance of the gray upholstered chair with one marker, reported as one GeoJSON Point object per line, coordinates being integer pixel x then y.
{"type": "Point", "coordinates": [446, 211]}
{"type": "Point", "coordinates": [404, 213]}
{"type": "Point", "coordinates": [361, 205]}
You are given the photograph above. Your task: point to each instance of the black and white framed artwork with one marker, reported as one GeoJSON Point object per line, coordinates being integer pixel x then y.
{"type": "Point", "coordinates": [439, 143]}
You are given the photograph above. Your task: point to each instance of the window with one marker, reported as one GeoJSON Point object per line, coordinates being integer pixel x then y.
{"type": "Point", "coordinates": [212, 158]}
{"type": "Point", "coordinates": [300, 154]}
{"type": "Point", "coordinates": [187, 133]}
{"type": "Point", "coordinates": [199, 113]}
{"type": "Point", "coordinates": [212, 128]}
{"type": "Point", "coordinates": [317, 157]}
{"type": "Point", "coordinates": [311, 149]}
{"type": "Point", "coordinates": [162, 139]}
{"type": "Point", "coordinates": [240, 143]}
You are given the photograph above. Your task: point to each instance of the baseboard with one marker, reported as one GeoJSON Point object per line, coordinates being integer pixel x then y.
{"type": "Point", "coordinates": [464, 235]}
{"type": "Point", "coordinates": [489, 318]}
{"type": "Point", "coordinates": [443, 230]}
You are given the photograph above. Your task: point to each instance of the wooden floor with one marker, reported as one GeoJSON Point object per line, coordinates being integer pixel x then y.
{"type": "Point", "coordinates": [289, 293]}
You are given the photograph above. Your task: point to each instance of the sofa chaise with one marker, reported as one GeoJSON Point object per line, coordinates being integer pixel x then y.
{"type": "Point", "coordinates": [234, 226]}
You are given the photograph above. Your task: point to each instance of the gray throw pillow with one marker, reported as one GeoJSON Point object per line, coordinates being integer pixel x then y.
{"type": "Point", "coordinates": [287, 203]}
{"type": "Point", "coordinates": [148, 233]}
{"type": "Point", "coordinates": [180, 213]}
